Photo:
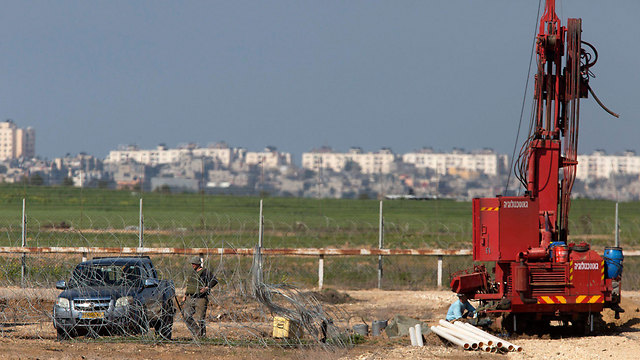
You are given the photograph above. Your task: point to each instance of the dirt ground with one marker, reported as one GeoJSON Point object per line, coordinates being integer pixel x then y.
{"type": "Point", "coordinates": [36, 339]}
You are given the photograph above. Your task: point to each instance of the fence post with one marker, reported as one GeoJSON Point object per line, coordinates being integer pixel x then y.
{"type": "Point", "coordinates": [23, 268]}
{"type": "Point", "coordinates": [320, 272]}
{"type": "Point", "coordinates": [439, 271]}
{"type": "Point", "coordinates": [617, 227]}
{"type": "Point", "coordinates": [260, 224]}
{"type": "Point", "coordinates": [141, 228]}
{"type": "Point", "coordinates": [380, 245]}
{"type": "Point", "coordinates": [260, 242]}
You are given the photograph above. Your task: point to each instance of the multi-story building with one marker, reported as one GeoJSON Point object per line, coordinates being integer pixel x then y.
{"type": "Point", "coordinates": [381, 162]}
{"type": "Point", "coordinates": [485, 161]}
{"type": "Point", "coordinates": [15, 142]}
{"type": "Point", "coordinates": [270, 158]}
{"type": "Point", "coordinates": [599, 165]}
{"type": "Point", "coordinates": [158, 156]}
{"type": "Point", "coordinates": [220, 153]}
{"type": "Point", "coordinates": [162, 155]}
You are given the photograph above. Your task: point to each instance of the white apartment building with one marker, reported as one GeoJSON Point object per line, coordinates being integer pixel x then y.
{"type": "Point", "coordinates": [157, 156]}
{"type": "Point", "coordinates": [381, 162]}
{"type": "Point", "coordinates": [485, 161]}
{"type": "Point", "coordinates": [15, 142]}
{"type": "Point", "coordinates": [599, 165]}
{"type": "Point", "coordinates": [162, 155]}
{"type": "Point", "coordinates": [270, 158]}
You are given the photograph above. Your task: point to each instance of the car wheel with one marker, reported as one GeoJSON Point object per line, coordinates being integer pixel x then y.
{"type": "Point", "coordinates": [62, 334]}
{"type": "Point", "coordinates": [164, 326]}
{"type": "Point", "coordinates": [141, 323]}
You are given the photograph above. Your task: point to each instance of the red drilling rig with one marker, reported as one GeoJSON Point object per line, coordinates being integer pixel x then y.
{"type": "Point", "coordinates": [539, 276]}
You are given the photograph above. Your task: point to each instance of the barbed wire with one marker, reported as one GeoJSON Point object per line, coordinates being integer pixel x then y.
{"type": "Point", "coordinates": [243, 306]}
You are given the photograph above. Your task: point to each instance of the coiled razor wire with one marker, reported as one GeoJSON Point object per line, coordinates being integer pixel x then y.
{"type": "Point", "coordinates": [243, 306]}
{"type": "Point", "coordinates": [304, 309]}
{"type": "Point", "coordinates": [240, 312]}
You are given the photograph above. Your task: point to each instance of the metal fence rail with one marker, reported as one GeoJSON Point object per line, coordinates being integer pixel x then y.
{"type": "Point", "coordinates": [319, 252]}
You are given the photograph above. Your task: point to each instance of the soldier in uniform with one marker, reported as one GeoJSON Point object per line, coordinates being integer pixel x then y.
{"type": "Point", "coordinates": [196, 297]}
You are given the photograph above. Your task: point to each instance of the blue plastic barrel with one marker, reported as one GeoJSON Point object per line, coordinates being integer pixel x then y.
{"type": "Point", "coordinates": [613, 262]}
{"type": "Point", "coordinates": [552, 245]}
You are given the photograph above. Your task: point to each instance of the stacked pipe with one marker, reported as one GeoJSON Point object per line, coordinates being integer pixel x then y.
{"type": "Point", "coordinates": [415, 333]}
{"type": "Point", "coordinates": [471, 338]}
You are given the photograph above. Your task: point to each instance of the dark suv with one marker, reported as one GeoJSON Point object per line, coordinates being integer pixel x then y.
{"type": "Point", "coordinates": [114, 295]}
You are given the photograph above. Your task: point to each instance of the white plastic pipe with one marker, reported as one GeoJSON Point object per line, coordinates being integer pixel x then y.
{"type": "Point", "coordinates": [500, 343]}
{"type": "Point", "coordinates": [496, 341]}
{"type": "Point", "coordinates": [412, 335]}
{"type": "Point", "coordinates": [419, 340]}
{"type": "Point", "coordinates": [446, 335]}
{"type": "Point", "coordinates": [488, 340]}
{"type": "Point", "coordinates": [464, 333]}
{"type": "Point", "coordinates": [509, 346]}
{"type": "Point", "coordinates": [471, 340]}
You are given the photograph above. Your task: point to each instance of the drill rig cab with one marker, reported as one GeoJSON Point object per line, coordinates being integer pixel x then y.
{"type": "Point", "coordinates": [538, 275]}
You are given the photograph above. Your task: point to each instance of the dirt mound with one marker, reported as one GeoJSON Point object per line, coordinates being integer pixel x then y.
{"type": "Point", "coordinates": [433, 339]}
{"type": "Point", "coordinates": [330, 296]}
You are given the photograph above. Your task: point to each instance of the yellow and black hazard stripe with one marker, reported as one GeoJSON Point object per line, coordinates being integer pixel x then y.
{"type": "Point", "coordinates": [490, 208]}
{"type": "Point", "coordinates": [602, 270]}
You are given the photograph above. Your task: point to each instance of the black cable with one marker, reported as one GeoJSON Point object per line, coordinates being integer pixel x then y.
{"type": "Point", "coordinates": [600, 103]}
{"type": "Point", "coordinates": [524, 98]}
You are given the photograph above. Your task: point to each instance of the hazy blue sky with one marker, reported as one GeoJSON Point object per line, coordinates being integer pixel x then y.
{"type": "Point", "coordinates": [89, 76]}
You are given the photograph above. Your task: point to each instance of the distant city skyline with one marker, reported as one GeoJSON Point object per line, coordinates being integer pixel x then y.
{"type": "Point", "coordinates": [296, 157]}
{"type": "Point", "coordinates": [91, 76]}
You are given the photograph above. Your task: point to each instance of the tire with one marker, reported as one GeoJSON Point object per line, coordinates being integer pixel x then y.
{"type": "Point", "coordinates": [164, 326]}
{"type": "Point", "coordinates": [141, 323]}
{"type": "Point", "coordinates": [62, 334]}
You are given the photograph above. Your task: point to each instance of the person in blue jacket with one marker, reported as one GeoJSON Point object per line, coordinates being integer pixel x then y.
{"type": "Point", "coordinates": [460, 309]}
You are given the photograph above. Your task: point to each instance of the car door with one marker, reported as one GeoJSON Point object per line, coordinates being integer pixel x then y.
{"type": "Point", "coordinates": [151, 292]}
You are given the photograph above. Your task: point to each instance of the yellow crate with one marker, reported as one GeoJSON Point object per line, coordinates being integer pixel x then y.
{"type": "Point", "coordinates": [286, 328]}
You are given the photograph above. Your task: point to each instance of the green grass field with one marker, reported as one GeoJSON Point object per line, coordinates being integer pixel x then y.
{"type": "Point", "coordinates": [99, 218]}
{"type": "Point", "coordinates": [109, 218]}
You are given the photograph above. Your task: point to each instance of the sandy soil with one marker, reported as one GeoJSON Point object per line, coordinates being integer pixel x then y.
{"type": "Point", "coordinates": [36, 339]}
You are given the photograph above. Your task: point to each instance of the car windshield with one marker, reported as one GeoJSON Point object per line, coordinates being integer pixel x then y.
{"type": "Point", "coordinates": [105, 275]}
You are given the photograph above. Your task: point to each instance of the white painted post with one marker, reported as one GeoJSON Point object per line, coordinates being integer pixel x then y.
{"type": "Point", "coordinates": [320, 272]}
{"type": "Point", "coordinates": [84, 256]}
{"type": "Point", "coordinates": [260, 240]}
{"type": "Point", "coordinates": [380, 245]}
{"type": "Point", "coordinates": [617, 228]}
{"type": "Point", "coordinates": [23, 269]}
{"type": "Point", "coordinates": [141, 228]}
{"type": "Point", "coordinates": [260, 224]}
{"type": "Point", "coordinates": [439, 271]}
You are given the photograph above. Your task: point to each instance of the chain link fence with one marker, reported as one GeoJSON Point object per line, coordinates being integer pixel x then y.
{"type": "Point", "coordinates": [241, 310]}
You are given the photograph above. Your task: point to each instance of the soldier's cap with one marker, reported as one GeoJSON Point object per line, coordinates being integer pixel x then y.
{"type": "Point", "coordinates": [195, 260]}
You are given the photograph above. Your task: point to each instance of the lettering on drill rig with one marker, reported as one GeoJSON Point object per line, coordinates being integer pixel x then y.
{"type": "Point", "coordinates": [513, 204]}
{"type": "Point", "coordinates": [585, 266]}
